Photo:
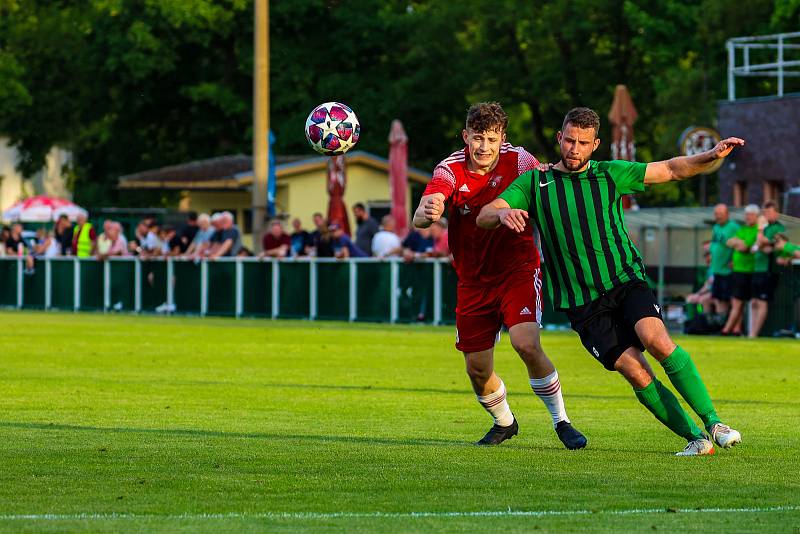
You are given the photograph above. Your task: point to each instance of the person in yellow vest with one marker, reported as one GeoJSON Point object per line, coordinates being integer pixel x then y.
{"type": "Point", "coordinates": [84, 238]}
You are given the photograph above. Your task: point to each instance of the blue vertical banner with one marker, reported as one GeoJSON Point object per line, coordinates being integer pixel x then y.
{"type": "Point", "coordinates": [271, 178]}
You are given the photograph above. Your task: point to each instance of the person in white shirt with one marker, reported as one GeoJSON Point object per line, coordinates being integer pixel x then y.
{"type": "Point", "coordinates": [386, 243]}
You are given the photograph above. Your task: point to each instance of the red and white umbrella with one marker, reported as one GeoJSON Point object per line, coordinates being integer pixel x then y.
{"type": "Point", "coordinates": [42, 209]}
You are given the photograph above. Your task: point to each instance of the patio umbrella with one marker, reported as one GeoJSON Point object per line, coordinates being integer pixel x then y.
{"type": "Point", "coordinates": [337, 180]}
{"type": "Point", "coordinates": [622, 116]}
{"type": "Point", "coordinates": [398, 175]}
{"type": "Point", "coordinates": [42, 209]}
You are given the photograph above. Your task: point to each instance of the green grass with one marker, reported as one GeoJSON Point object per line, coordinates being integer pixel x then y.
{"type": "Point", "coordinates": [147, 423]}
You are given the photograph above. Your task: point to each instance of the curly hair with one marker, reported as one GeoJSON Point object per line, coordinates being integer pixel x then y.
{"type": "Point", "coordinates": [582, 118]}
{"type": "Point", "coordinates": [487, 116]}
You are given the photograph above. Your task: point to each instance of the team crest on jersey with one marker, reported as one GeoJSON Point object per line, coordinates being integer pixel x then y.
{"type": "Point", "coordinates": [496, 180]}
{"type": "Point", "coordinates": [465, 210]}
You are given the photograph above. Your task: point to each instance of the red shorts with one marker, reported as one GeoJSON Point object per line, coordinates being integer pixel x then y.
{"type": "Point", "coordinates": [481, 311]}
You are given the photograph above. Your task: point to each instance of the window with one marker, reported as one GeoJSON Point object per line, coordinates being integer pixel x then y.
{"type": "Point", "coordinates": [378, 208]}
{"type": "Point", "coordinates": [739, 193]}
{"type": "Point", "coordinates": [773, 189]}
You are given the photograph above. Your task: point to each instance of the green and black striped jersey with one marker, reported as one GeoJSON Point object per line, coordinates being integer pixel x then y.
{"type": "Point", "coordinates": [586, 247]}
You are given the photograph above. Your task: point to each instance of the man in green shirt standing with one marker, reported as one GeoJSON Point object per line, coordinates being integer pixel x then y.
{"type": "Point", "coordinates": [765, 275]}
{"type": "Point", "coordinates": [597, 276]}
{"type": "Point", "coordinates": [721, 256]}
{"type": "Point", "coordinates": [744, 260]}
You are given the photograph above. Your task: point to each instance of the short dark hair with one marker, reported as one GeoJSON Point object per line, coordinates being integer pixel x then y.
{"type": "Point", "coordinates": [582, 118]}
{"type": "Point", "coordinates": [487, 116]}
{"type": "Point", "coordinates": [360, 206]}
{"type": "Point", "coordinates": [191, 216]}
{"type": "Point", "coordinates": [770, 204]}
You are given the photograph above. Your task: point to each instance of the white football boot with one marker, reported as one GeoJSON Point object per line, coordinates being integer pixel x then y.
{"type": "Point", "coordinates": [725, 436]}
{"type": "Point", "coordinates": [698, 447]}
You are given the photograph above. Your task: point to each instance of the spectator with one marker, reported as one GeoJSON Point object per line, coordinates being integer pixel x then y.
{"type": "Point", "coordinates": [244, 252]}
{"type": "Point", "coordinates": [343, 247]}
{"type": "Point", "coordinates": [227, 240]}
{"type": "Point", "coordinates": [4, 235]}
{"type": "Point", "coordinates": [320, 227]}
{"type": "Point", "coordinates": [40, 246]}
{"type": "Point", "coordinates": [104, 240]}
{"type": "Point", "coordinates": [47, 245]}
{"type": "Point", "coordinates": [84, 238]}
{"type": "Point", "coordinates": [721, 256]}
{"type": "Point", "coordinates": [702, 297]}
{"type": "Point", "coordinates": [63, 234]}
{"type": "Point", "coordinates": [111, 242]}
{"type": "Point", "coordinates": [786, 251]}
{"type": "Point", "coordinates": [441, 248]}
{"type": "Point", "coordinates": [765, 276]}
{"type": "Point", "coordinates": [743, 263]}
{"type": "Point", "coordinates": [188, 231]}
{"type": "Point", "coordinates": [15, 245]}
{"type": "Point", "coordinates": [301, 240]}
{"type": "Point", "coordinates": [170, 241]}
{"type": "Point", "coordinates": [323, 246]}
{"type": "Point", "coordinates": [386, 243]}
{"type": "Point", "coordinates": [202, 238]}
{"type": "Point", "coordinates": [151, 245]}
{"type": "Point", "coordinates": [366, 229]}
{"type": "Point", "coordinates": [276, 243]}
{"type": "Point", "coordinates": [417, 244]}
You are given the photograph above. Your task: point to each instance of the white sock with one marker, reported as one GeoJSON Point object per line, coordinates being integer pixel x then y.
{"type": "Point", "coordinates": [495, 403]}
{"type": "Point", "coordinates": [549, 390]}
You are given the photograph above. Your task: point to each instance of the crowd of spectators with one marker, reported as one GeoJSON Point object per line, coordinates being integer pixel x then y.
{"type": "Point", "coordinates": [201, 236]}
{"type": "Point", "coordinates": [329, 240]}
{"type": "Point", "coordinates": [206, 236]}
{"type": "Point", "coordinates": [743, 268]}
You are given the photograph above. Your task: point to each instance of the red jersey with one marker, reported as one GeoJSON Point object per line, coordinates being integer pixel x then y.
{"type": "Point", "coordinates": [480, 256]}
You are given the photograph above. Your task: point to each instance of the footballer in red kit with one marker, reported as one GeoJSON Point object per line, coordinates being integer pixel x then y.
{"type": "Point", "coordinates": [499, 280]}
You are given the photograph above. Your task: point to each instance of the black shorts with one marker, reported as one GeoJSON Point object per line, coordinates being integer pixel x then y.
{"type": "Point", "coordinates": [721, 287]}
{"type": "Point", "coordinates": [606, 325]}
{"type": "Point", "coordinates": [741, 286]}
{"type": "Point", "coordinates": [763, 285]}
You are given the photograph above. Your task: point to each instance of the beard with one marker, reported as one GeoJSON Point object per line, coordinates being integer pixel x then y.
{"type": "Point", "coordinates": [571, 165]}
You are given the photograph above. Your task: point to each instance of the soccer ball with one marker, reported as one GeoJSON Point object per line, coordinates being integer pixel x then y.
{"type": "Point", "coordinates": [332, 129]}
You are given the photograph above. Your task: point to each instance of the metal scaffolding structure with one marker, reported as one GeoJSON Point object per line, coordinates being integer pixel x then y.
{"type": "Point", "coordinates": [740, 63]}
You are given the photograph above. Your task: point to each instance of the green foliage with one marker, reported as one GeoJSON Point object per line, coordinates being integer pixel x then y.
{"type": "Point", "coordinates": [129, 85]}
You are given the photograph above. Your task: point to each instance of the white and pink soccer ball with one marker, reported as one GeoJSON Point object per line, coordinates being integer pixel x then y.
{"type": "Point", "coordinates": [332, 128]}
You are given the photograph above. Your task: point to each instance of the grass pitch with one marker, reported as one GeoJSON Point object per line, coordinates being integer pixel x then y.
{"type": "Point", "coordinates": [121, 423]}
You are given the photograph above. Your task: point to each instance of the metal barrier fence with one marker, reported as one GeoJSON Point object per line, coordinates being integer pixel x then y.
{"type": "Point", "coordinates": [359, 289]}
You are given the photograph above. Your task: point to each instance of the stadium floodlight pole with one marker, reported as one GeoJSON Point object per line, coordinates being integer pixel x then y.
{"type": "Point", "coordinates": [260, 118]}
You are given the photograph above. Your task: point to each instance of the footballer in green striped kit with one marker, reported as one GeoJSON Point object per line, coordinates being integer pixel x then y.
{"type": "Point", "coordinates": [596, 275]}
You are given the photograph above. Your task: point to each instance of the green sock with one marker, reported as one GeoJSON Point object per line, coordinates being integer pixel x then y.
{"type": "Point", "coordinates": [684, 376]}
{"type": "Point", "coordinates": [665, 406]}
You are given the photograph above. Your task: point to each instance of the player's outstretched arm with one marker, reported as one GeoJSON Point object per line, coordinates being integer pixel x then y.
{"type": "Point", "coordinates": [430, 210]}
{"type": "Point", "coordinates": [499, 212]}
{"type": "Point", "coordinates": [682, 167]}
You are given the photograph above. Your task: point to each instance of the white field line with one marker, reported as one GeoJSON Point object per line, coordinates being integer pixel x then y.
{"type": "Point", "coordinates": [389, 515]}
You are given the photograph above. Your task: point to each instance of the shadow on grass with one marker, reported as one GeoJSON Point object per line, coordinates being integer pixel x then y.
{"type": "Point", "coordinates": [369, 387]}
{"type": "Point", "coordinates": [442, 391]}
{"type": "Point", "coordinates": [360, 440]}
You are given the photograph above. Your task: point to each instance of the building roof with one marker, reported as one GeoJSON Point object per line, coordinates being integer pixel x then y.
{"type": "Point", "coordinates": [235, 172]}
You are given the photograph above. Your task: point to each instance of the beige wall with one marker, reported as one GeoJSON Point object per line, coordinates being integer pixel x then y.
{"type": "Point", "coordinates": [49, 181]}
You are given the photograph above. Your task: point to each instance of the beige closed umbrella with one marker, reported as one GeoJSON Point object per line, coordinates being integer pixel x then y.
{"type": "Point", "coordinates": [622, 116]}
